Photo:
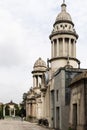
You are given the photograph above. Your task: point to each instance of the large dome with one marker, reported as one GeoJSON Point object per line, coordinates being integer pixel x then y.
{"type": "Point", "coordinates": [40, 65]}
{"type": "Point", "coordinates": [63, 15]}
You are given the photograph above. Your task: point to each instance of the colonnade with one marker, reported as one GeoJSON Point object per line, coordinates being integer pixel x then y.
{"type": "Point", "coordinates": [37, 80]}
{"type": "Point", "coordinates": [63, 47]}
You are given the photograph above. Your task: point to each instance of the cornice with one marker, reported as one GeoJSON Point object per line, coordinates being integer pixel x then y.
{"type": "Point", "coordinates": [70, 58]}
{"type": "Point", "coordinates": [62, 33]}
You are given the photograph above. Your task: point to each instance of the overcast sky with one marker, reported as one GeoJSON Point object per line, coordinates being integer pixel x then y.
{"type": "Point", "coordinates": [25, 26]}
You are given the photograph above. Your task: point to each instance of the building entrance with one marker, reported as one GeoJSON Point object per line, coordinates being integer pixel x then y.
{"type": "Point", "coordinates": [75, 116]}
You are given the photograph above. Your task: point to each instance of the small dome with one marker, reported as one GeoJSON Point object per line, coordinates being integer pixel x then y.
{"type": "Point", "coordinates": [40, 62]}
{"type": "Point", "coordinates": [63, 15]}
{"type": "Point", "coordinates": [40, 65]}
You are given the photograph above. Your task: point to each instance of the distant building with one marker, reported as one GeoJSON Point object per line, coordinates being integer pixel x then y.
{"type": "Point", "coordinates": [10, 109]}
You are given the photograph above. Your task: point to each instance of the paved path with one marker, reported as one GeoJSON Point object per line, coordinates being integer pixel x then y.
{"type": "Point", "coordinates": [19, 125]}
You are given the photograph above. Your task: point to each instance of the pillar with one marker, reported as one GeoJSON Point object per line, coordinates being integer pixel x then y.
{"type": "Point", "coordinates": [57, 47]}
{"type": "Point", "coordinates": [63, 47]}
{"type": "Point", "coordinates": [74, 47]}
{"type": "Point", "coordinates": [70, 47]}
{"type": "Point", "coordinates": [9, 111]}
{"type": "Point", "coordinates": [33, 81]}
{"type": "Point", "coordinates": [36, 81]}
{"type": "Point", "coordinates": [28, 110]}
{"type": "Point", "coordinates": [4, 111]}
{"type": "Point", "coordinates": [53, 48]}
{"type": "Point", "coordinates": [43, 104]}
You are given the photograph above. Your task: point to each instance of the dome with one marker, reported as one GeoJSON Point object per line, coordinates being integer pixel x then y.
{"type": "Point", "coordinates": [63, 23]}
{"type": "Point", "coordinates": [63, 15]}
{"type": "Point", "coordinates": [40, 65]}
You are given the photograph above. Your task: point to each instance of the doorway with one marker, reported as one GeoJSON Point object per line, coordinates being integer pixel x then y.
{"type": "Point", "coordinates": [58, 117]}
{"type": "Point", "coordinates": [75, 116]}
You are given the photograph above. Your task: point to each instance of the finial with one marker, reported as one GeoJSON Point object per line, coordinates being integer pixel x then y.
{"type": "Point", "coordinates": [63, 6]}
{"type": "Point", "coordinates": [63, 1]}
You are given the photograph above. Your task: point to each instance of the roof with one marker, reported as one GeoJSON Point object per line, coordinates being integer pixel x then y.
{"type": "Point", "coordinates": [79, 77]}
{"type": "Point", "coordinates": [11, 103]}
{"type": "Point", "coordinates": [63, 15]}
{"type": "Point", "coordinates": [40, 65]}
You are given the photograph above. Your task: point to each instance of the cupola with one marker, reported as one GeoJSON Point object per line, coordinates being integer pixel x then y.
{"type": "Point", "coordinates": [63, 41]}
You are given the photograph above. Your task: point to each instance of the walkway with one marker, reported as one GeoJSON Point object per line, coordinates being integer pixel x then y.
{"type": "Point", "coordinates": [9, 124]}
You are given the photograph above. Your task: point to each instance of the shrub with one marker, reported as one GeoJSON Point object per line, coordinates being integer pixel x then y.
{"type": "Point", "coordinates": [43, 122]}
{"type": "Point", "coordinates": [40, 121]}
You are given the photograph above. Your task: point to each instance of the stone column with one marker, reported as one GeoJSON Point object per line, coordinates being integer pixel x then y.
{"type": "Point", "coordinates": [9, 111]}
{"type": "Point", "coordinates": [28, 109]}
{"type": "Point", "coordinates": [33, 81]}
{"type": "Point", "coordinates": [36, 81]}
{"type": "Point", "coordinates": [4, 111]}
{"type": "Point", "coordinates": [74, 47]}
{"type": "Point", "coordinates": [63, 47]}
{"type": "Point", "coordinates": [57, 47]}
{"type": "Point", "coordinates": [53, 48]}
{"type": "Point", "coordinates": [70, 47]}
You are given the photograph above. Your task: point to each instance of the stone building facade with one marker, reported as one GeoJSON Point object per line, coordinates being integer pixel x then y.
{"type": "Point", "coordinates": [78, 103]}
{"type": "Point", "coordinates": [49, 97]}
{"type": "Point", "coordinates": [63, 60]}
{"type": "Point", "coordinates": [62, 93]}
{"type": "Point", "coordinates": [35, 97]}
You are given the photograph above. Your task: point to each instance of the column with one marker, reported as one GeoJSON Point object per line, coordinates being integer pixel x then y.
{"type": "Point", "coordinates": [29, 109]}
{"type": "Point", "coordinates": [43, 106]}
{"type": "Point", "coordinates": [53, 48]}
{"type": "Point", "coordinates": [34, 81]}
{"type": "Point", "coordinates": [63, 47]}
{"type": "Point", "coordinates": [38, 80]}
{"type": "Point", "coordinates": [9, 111]}
{"type": "Point", "coordinates": [57, 47]}
{"type": "Point", "coordinates": [74, 46]}
{"type": "Point", "coordinates": [41, 80]}
{"type": "Point", "coordinates": [69, 47]}
{"type": "Point", "coordinates": [4, 111]}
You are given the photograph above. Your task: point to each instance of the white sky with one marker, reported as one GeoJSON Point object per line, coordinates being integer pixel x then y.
{"type": "Point", "coordinates": [25, 26]}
